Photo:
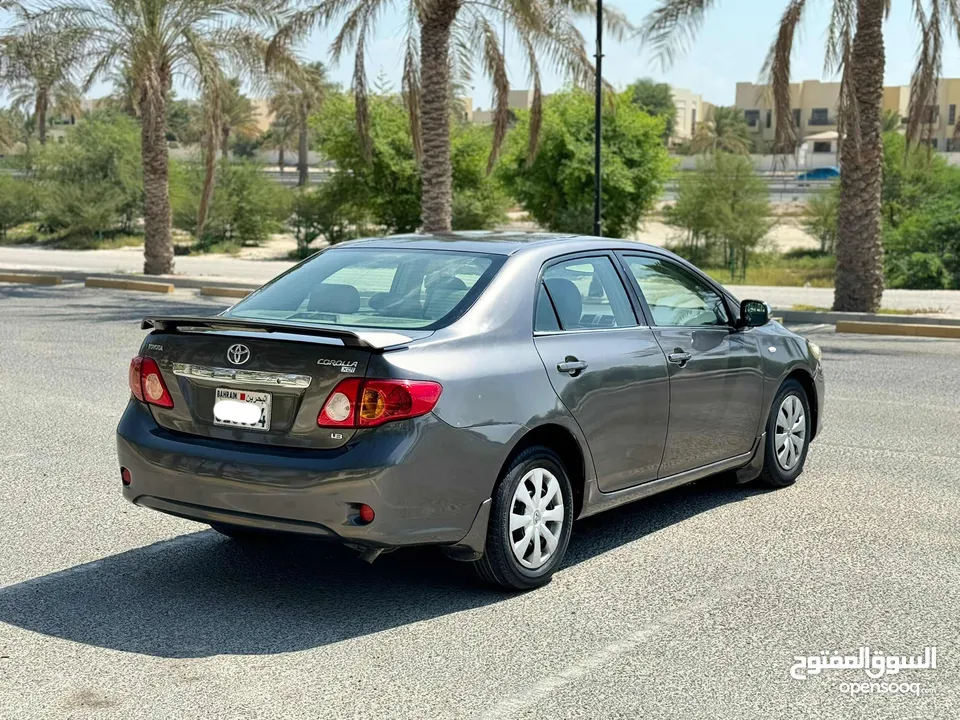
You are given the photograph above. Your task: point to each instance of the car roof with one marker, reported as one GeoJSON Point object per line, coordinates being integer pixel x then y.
{"type": "Point", "coordinates": [497, 243]}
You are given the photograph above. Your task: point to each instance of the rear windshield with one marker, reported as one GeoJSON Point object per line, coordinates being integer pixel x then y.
{"type": "Point", "coordinates": [375, 287]}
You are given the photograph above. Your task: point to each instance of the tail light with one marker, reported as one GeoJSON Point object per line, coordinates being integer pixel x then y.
{"type": "Point", "coordinates": [146, 382]}
{"type": "Point", "coordinates": [367, 403]}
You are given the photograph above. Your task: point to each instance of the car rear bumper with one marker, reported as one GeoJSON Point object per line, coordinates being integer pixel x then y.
{"type": "Point", "coordinates": [412, 474]}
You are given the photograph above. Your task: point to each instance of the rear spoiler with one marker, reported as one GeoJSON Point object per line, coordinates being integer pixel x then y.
{"type": "Point", "coordinates": [348, 337]}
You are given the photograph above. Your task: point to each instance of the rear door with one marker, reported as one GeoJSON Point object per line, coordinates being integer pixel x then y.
{"type": "Point", "coordinates": [716, 375]}
{"type": "Point", "coordinates": [605, 366]}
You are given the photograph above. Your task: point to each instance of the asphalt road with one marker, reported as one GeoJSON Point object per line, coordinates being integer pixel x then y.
{"type": "Point", "coordinates": [690, 605]}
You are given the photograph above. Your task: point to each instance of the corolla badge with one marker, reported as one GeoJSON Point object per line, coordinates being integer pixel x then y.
{"type": "Point", "coordinates": [238, 354]}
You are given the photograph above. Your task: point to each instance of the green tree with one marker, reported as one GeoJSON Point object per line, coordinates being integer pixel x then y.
{"type": "Point", "coordinates": [388, 184]}
{"type": "Point", "coordinates": [855, 49]}
{"type": "Point", "coordinates": [92, 183]}
{"type": "Point", "coordinates": [386, 187]}
{"type": "Point", "coordinates": [821, 217]}
{"type": "Point", "coordinates": [655, 99]}
{"type": "Point", "coordinates": [556, 188]}
{"type": "Point", "coordinates": [921, 193]}
{"type": "Point", "coordinates": [157, 41]}
{"type": "Point", "coordinates": [724, 211]}
{"type": "Point", "coordinates": [479, 201]}
{"type": "Point", "coordinates": [724, 131]}
{"type": "Point", "coordinates": [445, 42]}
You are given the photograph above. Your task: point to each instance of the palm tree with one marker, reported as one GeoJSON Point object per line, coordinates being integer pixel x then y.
{"type": "Point", "coordinates": [725, 131]}
{"type": "Point", "coordinates": [445, 41]}
{"type": "Point", "coordinates": [891, 121]}
{"type": "Point", "coordinates": [237, 116]}
{"type": "Point", "coordinates": [279, 137]}
{"type": "Point", "coordinates": [39, 74]}
{"type": "Point", "coordinates": [296, 94]}
{"type": "Point", "coordinates": [156, 41]}
{"type": "Point", "coordinates": [855, 50]}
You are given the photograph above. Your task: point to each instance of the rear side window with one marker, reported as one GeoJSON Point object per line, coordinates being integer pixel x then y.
{"type": "Point", "coordinates": [375, 287]}
{"type": "Point", "coordinates": [586, 294]}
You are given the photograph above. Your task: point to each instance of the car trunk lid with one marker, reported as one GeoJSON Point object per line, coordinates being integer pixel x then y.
{"type": "Point", "coordinates": [220, 372]}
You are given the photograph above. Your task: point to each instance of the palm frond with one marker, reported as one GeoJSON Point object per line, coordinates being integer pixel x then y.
{"type": "Point", "coordinates": [673, 25]}
{"type": "Point", "coordinates": [777, 71]}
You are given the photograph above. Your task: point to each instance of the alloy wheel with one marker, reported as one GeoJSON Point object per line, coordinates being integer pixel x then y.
{"type": "Point", "coordinates": [536, 518]}
{"type": "Point", "coordinates": [791, 434]}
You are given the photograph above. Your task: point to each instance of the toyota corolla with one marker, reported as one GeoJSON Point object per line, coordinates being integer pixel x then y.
{"type": "Point", "coordinates": [474, 392]}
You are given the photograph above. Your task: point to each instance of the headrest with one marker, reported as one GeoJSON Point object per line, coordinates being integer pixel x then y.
{"type": "Point", "coordinates": [334, 298]}
{"type": "Point", "coordinates": [568, 301]}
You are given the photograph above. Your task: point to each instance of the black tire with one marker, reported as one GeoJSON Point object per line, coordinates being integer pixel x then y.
{"type": "Point", "coordinates": [774, 475]}
{"type": "Point", "coordinates": [499, 565]}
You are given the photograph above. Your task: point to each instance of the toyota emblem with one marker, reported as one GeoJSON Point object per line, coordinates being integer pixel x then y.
{"type": "Point", "coordinates": [238, 354]}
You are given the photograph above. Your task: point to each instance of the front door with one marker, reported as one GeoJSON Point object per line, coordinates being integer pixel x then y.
{"type": "Point", "coordinates": [716, 374]}
{"type": "Point", "coordinates": [608, 371]}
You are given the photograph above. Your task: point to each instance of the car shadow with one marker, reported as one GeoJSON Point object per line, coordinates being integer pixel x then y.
{"type": "Point", "coordinates": [201, 595]}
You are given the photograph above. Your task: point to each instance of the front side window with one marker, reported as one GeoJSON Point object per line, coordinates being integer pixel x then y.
{"type": "Point", "coordinates": [375, 288]}
{"type": "Point", "coordinates": [676, 297]}
{"type": "Point", "coordinates": [585, 294]}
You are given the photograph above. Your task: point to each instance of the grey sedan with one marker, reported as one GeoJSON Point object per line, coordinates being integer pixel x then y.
{"type": "Point", "coordinates": [478, 392]}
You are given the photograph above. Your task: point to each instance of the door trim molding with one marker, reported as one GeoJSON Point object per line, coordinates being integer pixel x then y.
{"type": "Point", "coordinates": [596, 501]}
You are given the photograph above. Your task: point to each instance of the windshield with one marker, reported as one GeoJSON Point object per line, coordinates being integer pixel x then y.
{"type": "Point", "coordinates": [375, 287]}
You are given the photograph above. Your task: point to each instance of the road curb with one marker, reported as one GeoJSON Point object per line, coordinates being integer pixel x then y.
{"type": "Point", "coordinates": [31, 278]}
{"type": "Point", "coordinates": [138, 285]}
{"type": "Point", "coordinates": [809, 317]}
{"type": "Point", "coordinates": [909, 330]}
{"type": "Point", "coordinates": [224, 292]}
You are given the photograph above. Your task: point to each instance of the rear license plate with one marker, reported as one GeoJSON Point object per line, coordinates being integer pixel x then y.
{"type": "Point", "coordinates": [242, 408]}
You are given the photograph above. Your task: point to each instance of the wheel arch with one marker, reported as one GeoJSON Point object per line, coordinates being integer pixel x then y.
{"type": "Point", "coordinates": [567, 447]}
{"type": "Point", "coordinates": [802, 376]}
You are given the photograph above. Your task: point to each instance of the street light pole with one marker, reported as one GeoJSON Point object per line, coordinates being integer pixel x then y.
{"type": "Point", "coordinates": [598, 127]}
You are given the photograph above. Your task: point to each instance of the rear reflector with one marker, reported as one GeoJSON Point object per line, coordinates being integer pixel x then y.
{"type": "Point", "coordinates": [125, 476]}
{"type": "Point", "coordinates": [367, 403]}
{"type": "Point", "coordinates": [146, 382]}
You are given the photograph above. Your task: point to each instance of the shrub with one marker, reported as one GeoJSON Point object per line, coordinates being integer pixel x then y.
{"type": "Point", "coordinates": [917, 271]}
{"type": "Point", "coordinates": [247, 207]}
{"type": "Point", "coordinates": [326, 211]}
{"type": "Point", "coordinates": [18, 202]}
{"type": "Point", "coordinates": [92, 183]}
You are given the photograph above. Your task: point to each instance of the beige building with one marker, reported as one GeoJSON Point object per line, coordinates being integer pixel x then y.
{"type": "Point", "coordinates": [813, 103]}
{"type": "Point", "coordinates": [691, 109]}
{"type": "Point", "coordinates": [814, 106]}
{"type": "Point", "coordinates": [516, 100]}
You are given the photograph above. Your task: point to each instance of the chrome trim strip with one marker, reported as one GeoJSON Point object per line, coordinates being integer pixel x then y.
{"type": "Point", "coordinates": [242, 377]}
{"type": "Point", "coordinates": [575, 331]}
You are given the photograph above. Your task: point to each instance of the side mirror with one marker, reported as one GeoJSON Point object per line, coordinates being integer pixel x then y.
{"type": "Point", "coordinates": [754, 313]}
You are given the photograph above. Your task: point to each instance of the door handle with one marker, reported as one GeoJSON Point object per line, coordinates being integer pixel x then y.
{"type": "Point", "coordinates": [572, 366]}
{"type": "Point", "coordinates": [679, 357]}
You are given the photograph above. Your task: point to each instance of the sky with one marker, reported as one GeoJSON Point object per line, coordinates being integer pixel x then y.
{"type": "Point", "coordinates": [730, 48]}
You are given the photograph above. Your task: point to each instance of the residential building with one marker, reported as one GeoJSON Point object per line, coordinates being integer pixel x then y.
{"type": "Point", "coordinates": [814, 107]}
{"type": "Point", "coordinates": [691, 109]}
{"type": "Point", "coordinates": [516, 100]}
